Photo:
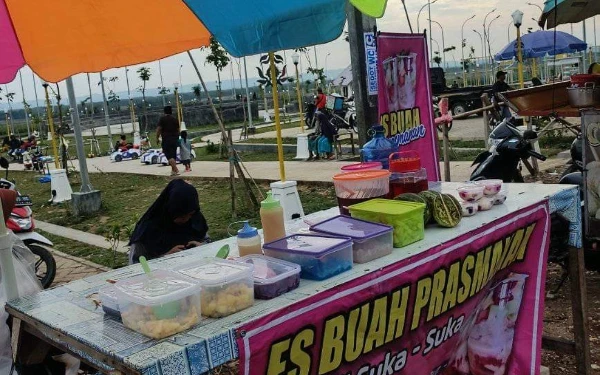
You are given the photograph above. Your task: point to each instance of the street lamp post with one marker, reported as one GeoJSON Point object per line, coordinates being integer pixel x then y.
{"type": "Point", "coordinates": [296, 60]}
{"type": "Point", "coordinates": [180, 81]}
{"type": "Point", "coordinates": [484, 39]}
{"type": "Point", "coordinates": [106, 114]}
{"type": "Point", "coordinates": [419, 14]}
{"type": "Point", "coordinates": [535, 5]}
{"type": "Point", "coordinates": [489, 44]}
{"type": "Point", "coordinates": [510, 25]}
{"type": "Point", "coordinates": [462, 48]}
{"type": "Point", "coordinates": [480, 39]}
{"type": "Point", "coordinates": [443, 43]}
{"type": "Point", "coordinates": [162, 85]}
{"type": "Point", "coordinates": [326, 73]}
{"type": "Point", "coordinates": [24, 105]}
{"type": "Point", "coordinates": [517, 17]}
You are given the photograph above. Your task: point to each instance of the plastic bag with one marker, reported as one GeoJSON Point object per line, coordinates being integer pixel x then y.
{"type": "Point", "coordinates": [28, 283]}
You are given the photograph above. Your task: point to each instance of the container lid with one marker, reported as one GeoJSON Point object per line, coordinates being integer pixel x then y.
{"type": "Point", "coordinates": [216, 271]}
{"type": "Point", "coordinates": [350, 227]}
{"type": "Point", "coordinates": [269, 270]}
{"type": "Point", "coordinates": [405, 161]}
{"type": "Point", "coordinates": [307, 244]}
{"type": "Point", "coordinates": [362, 175]}
{"type": "Point", "coordinates": [247, 231]}
{"type": "Point", "coordinates": [270, 202]}
{"type": "Point", "coordinates": [373, 165]}
{"type": "Point", "coordinates": [419, 173]}
{"type": "Point", "coordinates": [160, 287]}
{"type": "Point", "coordinates": [108, 294]}
{"type": "Point", "coordinates": [386, 206]}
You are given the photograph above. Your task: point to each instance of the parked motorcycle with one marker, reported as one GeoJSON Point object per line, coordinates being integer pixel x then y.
{"type": "Point", "coordinates": [509, 149]}
{"type": "Point", "coordinates": [23, 226]}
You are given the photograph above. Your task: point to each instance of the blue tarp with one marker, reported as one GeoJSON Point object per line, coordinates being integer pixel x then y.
{"type": "Point", "coordinates": [249, 27]}
{"type": "Point", "coordinates": [540, 43]}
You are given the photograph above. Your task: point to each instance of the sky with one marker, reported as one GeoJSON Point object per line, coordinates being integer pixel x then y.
{"type": "Point", "coordinates": [334, 55]}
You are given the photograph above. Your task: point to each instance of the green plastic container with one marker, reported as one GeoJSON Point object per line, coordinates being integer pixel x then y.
{"type": "Point", "coordinates": [405, 217]}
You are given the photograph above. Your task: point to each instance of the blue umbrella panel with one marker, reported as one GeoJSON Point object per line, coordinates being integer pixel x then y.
{"type": "Point", "coordinates": [542, 43]}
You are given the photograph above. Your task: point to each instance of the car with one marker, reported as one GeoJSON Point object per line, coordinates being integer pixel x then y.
{"type": "Point", "coordinates": [151, 156]}
{"type": "Point", "coordinates": [131, 154]}
{"type": "Point", "coordinates": [164, 161]}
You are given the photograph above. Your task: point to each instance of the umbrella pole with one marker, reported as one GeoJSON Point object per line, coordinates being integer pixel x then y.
{"type": "Point", "coordinates": [277, 120]}
{"type": "Point", "coordinates": [229, 142]}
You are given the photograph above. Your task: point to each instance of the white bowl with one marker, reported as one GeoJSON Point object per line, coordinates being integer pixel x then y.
{"type": "Point", "coordinates": [471, 193]}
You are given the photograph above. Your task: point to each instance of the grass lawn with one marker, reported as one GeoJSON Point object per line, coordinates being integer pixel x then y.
{"type": "Point", "coordinates": [88, 252]}
{"type": "Point", "coordinates": [125, 197]}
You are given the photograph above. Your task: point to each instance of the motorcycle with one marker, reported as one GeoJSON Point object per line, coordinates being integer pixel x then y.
{"type": "Point", "coordinates": [23, 226]}
{"type": "Point", "coordinates": [509, 148]}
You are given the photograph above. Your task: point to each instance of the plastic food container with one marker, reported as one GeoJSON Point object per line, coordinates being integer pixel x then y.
{"type": "Point", "coordinates": [405, 161]}
{"type": "Point", "coordinates": [356, 187]}
{"type": "Point", "coordinates": [371, 240]}
{"type": "Point", "coordinates": [471, 193]}
{"type": "Point", "coordinates": [109, 300]}
{"type": "Point", "coordinates": [408, 182]}
{"type": "Point", "coordinates": [405, 217]}
{"type": "Point", "coordinates": [272, 277]}
{"type": "Point", "coordinates": [500, 198]}
{"type": "Point", "coordinates": [159, 305]}
{"type": "Point", "coordinates": [491, 187]}
{"type": "Point", "coordinates": [227, 286]}
{"type": "Point", "coordinates": [319, 257]}
{"type": "Point", "coordinates": [358, 167]}
{"type": "Point", "coordinates": [469, 208]}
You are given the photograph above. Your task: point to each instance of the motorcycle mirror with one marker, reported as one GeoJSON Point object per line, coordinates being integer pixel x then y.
{"type": "Point", "coordinates": [3, 162]}
{"type": "Point", "coordinates": [529, 134]}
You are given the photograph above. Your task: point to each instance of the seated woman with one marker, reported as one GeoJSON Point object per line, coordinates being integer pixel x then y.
{"type": "Point", "coordinates": [172, 224]}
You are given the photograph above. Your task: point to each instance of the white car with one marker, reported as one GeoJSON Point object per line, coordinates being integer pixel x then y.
{"type": "Point", "coordinates": [164, 161]}
{"type": "Point", "coordinates": [151, 156]}
{"type": "Point", "coordinates": [121, 155]}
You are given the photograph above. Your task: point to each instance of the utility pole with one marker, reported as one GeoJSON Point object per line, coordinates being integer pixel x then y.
{"type": "Point", "coordinates": [366, 106]}
{"type": "Point", "coordinates": [106, 114]}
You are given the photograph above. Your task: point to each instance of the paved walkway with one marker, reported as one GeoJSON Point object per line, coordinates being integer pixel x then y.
{"type": "Point", "coordinates": [69, 268]}
{"type": "Point", "coordinates": [77, 235]}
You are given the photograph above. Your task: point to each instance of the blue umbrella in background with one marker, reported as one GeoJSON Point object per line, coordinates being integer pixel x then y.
{"type": "Point", "coordinates": [540, 43]}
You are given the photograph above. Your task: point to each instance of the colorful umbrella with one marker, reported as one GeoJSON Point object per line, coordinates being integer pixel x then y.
{"type": "Point", "coordinates": [541, 43]}
{"type": "Point", "coordinates": [60, 38]}
{"type": "Point", "coordinates": [558, 12]}
{"type": "Point", "coordinates": [248, 27]}
{"type": "Point", "coordinates": [373, 8]}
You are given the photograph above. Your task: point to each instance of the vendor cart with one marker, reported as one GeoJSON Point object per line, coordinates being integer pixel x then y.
{"type": "Point", "coordinates": [395, 304]}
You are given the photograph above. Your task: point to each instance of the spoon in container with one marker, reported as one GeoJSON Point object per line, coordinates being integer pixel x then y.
{"type": "Point", "coordinates": [168, 310]}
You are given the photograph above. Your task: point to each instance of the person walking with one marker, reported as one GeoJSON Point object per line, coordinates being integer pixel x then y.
{"type": "Point", "coordinates": [185, 151]}
{"type": "Point", "coordinates": [501, 86]}
{"type": "Point", "coordinates": [168, 131]}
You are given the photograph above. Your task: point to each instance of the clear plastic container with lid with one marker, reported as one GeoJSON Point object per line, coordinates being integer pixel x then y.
{"type": "Point", "coordinates": [371, 240]}
{"type": "Point", "coordinates": [272, 277]}
{"type": "Point", "coordinates": [227, 286]}
{"type": "Point", "coordinates": [109, 300]}
{"type": "Point", "coordinates": [359, 167]}
{"type": "Point", "coordinates": [356, 187]}
{"type": "Point", "coordinates": [407, 175]}
{"type": "Point", "coordinates": [320, 257]}
{"type": "Point", "coordinates": [160, 304]}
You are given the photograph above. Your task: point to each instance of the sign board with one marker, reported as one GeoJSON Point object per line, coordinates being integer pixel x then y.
{"type": "Point", "coordinates": [371, 60]}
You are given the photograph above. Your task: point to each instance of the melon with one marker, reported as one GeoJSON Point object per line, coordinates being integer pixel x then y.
{"type": "Point", "coordinates": [412, 197]}
{"type": "Point", "coordinates": [429, 195]}
{"type": "Point", "coordinates": [447, 212]}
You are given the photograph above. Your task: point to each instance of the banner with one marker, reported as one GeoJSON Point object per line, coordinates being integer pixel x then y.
{"type": "Point", "coordinates": [405, 98]}
{"type": "Point", "coordinates": [473, 305]}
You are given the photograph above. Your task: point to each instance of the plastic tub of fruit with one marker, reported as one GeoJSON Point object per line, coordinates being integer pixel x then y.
{"type": "Point", "coordinates": [491, 187]}
{"type": "Point", "coordinates": [319, 257]}
{"type": "Point", "coordinates": [405, 217]}
{"type": "Point", "coordinates": [159, 305]}
{"type": "Point", "coordinates": [109, 300]}
{"type": "Point", "coordinates": [371, 240]}
{"type": "Point", "coordinates": [358, 167]}
{"type": "Point", "coordinates": [471, 193]}
{"type": "Point", "coordinates": [227, 286]}
{"type": "Point", "coordinates": [272, 277]}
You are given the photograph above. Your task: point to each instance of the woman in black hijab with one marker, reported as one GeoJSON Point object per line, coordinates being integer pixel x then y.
{"type": "Point", "coordinates": [173, 223]}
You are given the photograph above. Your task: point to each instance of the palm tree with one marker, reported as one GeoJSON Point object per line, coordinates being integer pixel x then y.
{"type": "Point", "coordinates": [219, 59]}
{"type": "Point", "coordinates": [144, 74]}
{"type": "Point", "coordinates": [10, 97]}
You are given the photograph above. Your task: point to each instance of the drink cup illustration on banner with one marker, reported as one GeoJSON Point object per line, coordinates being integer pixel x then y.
{"type": "Point", "coordinates": [400, 81]}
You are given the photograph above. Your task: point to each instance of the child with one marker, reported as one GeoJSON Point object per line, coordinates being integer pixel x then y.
{"type": "Point", "coordinates": [185, 151]}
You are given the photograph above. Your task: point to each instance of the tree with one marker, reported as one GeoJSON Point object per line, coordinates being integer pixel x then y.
{"type": "Point", "coordinates": [318, 73]}
{"type": "Point", "coordinates": [144, 74]}
{"type": "Point", "coordinates": [437, 59]}
{"type": "Point", "coordinates": [197, 90]}
{"type": "Point", "coordinates": [115, 100]}
{"type": "Point", "coordinates": [219, 59]}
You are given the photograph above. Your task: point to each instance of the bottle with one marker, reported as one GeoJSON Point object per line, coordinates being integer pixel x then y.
{"type": "Point", "coordinates": [248, 240]}
{"type": "Point", "coordinates": [379, 148]}
{"type": "Point", "coordinates": [271, 217]}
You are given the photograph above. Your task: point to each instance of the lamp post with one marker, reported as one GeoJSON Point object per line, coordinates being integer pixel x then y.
{"type": "Point", "coordinates": [162, 85]}
{"type": "Point", "coordinates": [37, 104]}
{"type": "Point", "coordinates": [180, 81]}
{"type": "Point", "coordinates": [51, 126]}
{"type": "Point", "coordinates": [489, 44]}
{"type": "Point", "coordinates": [462, 48]}
{"type": "Point", "coordinates": [484, 39]}
{"type": "Point", "coordinates": [106, 112]}
{"type": "Point", "coordinates": [535, 5]}
{"type": "Point", "coordinates": [481, 40]}
{"type": "Point", "coordinates": [296, 60]}
{"type": "Point", "coordinates": [326, 73]}
{"type": "Point", "coordinates": [517, 17]}
{"type": "Point", "coordinates": [443, 43]}
{"type": "Point", "coordinates": [510, 25]}
{"type": "Point", "coordinates": [419, 14]}
{"type": "Point", "coordinates": [24, 106]}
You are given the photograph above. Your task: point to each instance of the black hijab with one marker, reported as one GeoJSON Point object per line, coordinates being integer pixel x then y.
{"type": "Point", "coordinates": [156, 230]}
